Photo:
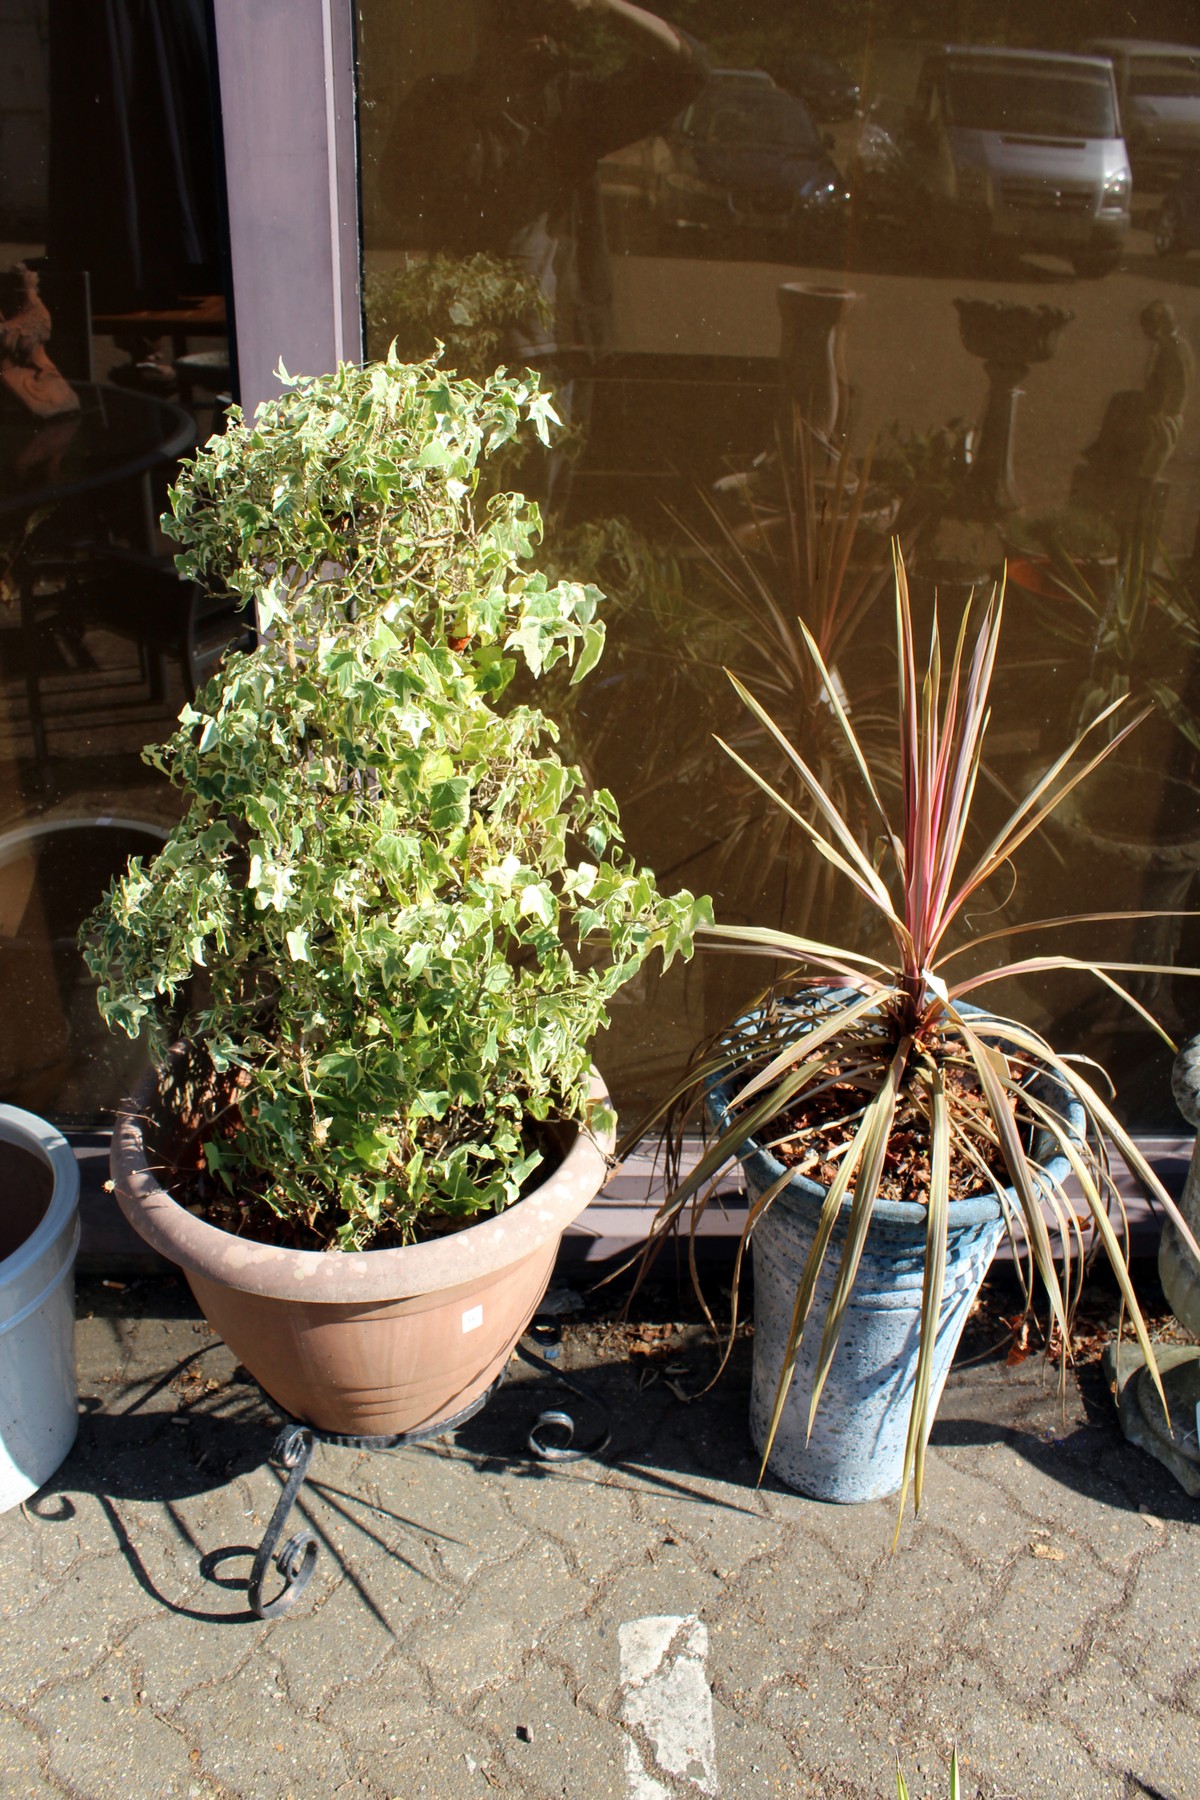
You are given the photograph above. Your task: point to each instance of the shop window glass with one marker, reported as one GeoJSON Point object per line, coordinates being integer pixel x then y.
{"type": "Point", "coordinates": [804, 280]}
{"type": "Point", "coordinates": [114, 358]}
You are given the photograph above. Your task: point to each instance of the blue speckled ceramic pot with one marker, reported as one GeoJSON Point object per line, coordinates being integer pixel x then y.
{"type": "Point", "coordinates": [856, 1451]}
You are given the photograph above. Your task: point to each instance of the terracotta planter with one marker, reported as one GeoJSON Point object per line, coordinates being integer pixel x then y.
{"type": "Point", "coordinates": [1035, 574]}
{"type": "Point", "coordinates": [371, 1342]}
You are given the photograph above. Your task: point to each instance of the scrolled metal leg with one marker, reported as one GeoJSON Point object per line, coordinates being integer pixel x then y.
{"type": "Point", "coordinates": [560, 1421]}
{"type": "Point", "coordinates": [295, 1444]}
{"type": "Point", "coordinates": [297, 1558]}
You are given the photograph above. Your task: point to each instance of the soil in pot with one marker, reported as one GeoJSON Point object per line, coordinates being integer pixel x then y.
{"type": "Point", "coordinates": [811, 1137]}
{"type": "Point", "coordinates": [248, 1213]}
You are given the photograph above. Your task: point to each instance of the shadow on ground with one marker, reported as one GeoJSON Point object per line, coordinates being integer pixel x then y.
{"type": "Point", "coordinates": [194, 1427]}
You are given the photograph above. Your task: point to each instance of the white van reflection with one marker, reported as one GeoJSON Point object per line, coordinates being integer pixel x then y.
{"type": "Point", "coordinates": [986, 149]}
{"type": "Point", "coordinates": [1158, 91]}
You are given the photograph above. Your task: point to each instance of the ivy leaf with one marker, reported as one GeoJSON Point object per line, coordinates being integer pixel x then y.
{"type": "Point", "coordinates": [542, 416]}
{"type": "Point", "coordinates": [448, 803]}
{"type": "Point", "coordinates": [537, 902]}
{"type": "Point", "coordinates": [590, 652]}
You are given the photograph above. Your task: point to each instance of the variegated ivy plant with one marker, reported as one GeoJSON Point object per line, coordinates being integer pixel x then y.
{"type": "Point", "coordinates": [390, 913]}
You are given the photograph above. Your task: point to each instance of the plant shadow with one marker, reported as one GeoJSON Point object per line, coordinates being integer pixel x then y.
{"type": "Point", "coordinates": [1077, 1445]}
{"type": "Point", "coordinates": [138, 1453]}
{"type": "Point", "coordinates": [667, 1432]}
{"type": "Point", "coordinates": [191, 1429]}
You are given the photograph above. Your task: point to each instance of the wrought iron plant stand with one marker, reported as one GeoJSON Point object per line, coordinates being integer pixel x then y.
{"type": "Point", "coordinates": [295, 1446]}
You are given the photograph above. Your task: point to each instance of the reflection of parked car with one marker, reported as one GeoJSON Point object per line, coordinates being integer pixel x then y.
{"type": "Point", "coordinates": [998, 147]}
{"type": "Point", "coordinates": [743, 154]}
{"type": "Point", "coordinates": [1158, 90]}
{"type": "Point", "coordinates": [823, 85]}
{"type": "Point", "coordinates": [1177, 227]}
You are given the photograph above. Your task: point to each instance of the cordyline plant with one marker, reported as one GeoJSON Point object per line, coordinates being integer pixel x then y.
{"type": "Point", "coordinates": [900, 1035]}
{"type": "Point", "coordinates": [801, 554]}
{"type": "Point", "coordinates": [390, 914]}
{"type": "Point", "coordinates": [1128, 627]}
{"type": "Point", "coordinates": [955, 1783]}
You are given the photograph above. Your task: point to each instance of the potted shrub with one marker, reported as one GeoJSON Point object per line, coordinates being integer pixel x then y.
{"type": "Point", "coordinates": [390, 919]}
{"type": "Point", "coordinates": [891, 1127]}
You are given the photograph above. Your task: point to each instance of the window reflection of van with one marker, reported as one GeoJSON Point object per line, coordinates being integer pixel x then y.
{"type": "Point", "coordinates": [1158, 91]}
{"type": "Point", "coordinates": [990, 148]}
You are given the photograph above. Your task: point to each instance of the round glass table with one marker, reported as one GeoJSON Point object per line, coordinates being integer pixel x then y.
{"type": "Point", "coordinates": [115, 435]}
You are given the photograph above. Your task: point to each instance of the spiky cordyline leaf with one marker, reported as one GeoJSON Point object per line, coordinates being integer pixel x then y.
{"type": "Point", "coordinates": [920, 1419]}
{"type": "Point", "coordinates": [1034, 965]}
{"type": "Point", "coordinates": [874, 1132]}
{"type": "Point", "coordinates": [831, 1207]}
{"type": "Point", "coordinates": [820, 844]}
{"type": "Point", "coordinates": [1030, 816]}
{"type": "Point", "coordinates": [1101, 1116]}
{"type": "Point", "coordinates": [1019, 1171]}
{"type": "Point", "coordinates": [828, 810]}
{"type": "Point", "coordinates": [900, 1027]}
{"type": "Point", "coordinates": [792, 1082]}
{"type": "Point", "coordinates": [834, 699]}
{"type": "Point", "coordinates": [787, 944]}
{"type": "Point", "coordinates": [754, 1213]}
{"type": "Point", "coordinates": [1070, 919]}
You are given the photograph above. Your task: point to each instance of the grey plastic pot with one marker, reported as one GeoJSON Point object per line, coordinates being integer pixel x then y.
{"type": "Point", "coordinates": [856, 1450]}
{"type": "Point", "coordinates": [39, 1235]}
{"type": "Point", "coordinates": [367, 1342]}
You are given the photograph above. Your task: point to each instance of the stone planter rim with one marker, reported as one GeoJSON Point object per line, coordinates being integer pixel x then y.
{"type": "Point", "coordinates": [26, 1131]}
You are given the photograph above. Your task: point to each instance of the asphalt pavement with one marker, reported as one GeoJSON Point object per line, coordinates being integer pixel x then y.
{"type": "Point", "coordinates": [649, 1626]}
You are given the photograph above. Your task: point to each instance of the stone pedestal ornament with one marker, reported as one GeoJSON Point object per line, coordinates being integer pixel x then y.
{"type": "Point", "coordinates": [813, 353]}
{"type": "Point", "coordinates": [1176, 1445]}
{"type": "Point", "coordinates": [1008, 339]}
